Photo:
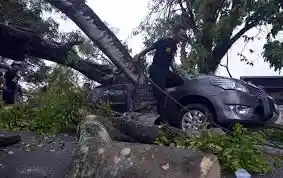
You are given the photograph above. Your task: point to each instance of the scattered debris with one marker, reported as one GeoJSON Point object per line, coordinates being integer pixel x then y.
{"type": "Point", "coordinates": [11, 152]}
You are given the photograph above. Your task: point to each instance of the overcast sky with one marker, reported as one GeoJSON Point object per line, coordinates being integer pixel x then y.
{"type": "Point", "coordinates": [127, 14]}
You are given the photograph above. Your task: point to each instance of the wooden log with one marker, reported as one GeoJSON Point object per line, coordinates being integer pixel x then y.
{"type": "Point", "coordinates": [98, 156]}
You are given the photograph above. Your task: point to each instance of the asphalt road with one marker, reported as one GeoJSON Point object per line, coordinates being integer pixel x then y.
{"type": "Point", "coordinates": [48, 157]}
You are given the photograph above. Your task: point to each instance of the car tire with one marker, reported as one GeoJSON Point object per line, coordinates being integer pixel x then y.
{"type": "Point", "coordinates": [196, 109]}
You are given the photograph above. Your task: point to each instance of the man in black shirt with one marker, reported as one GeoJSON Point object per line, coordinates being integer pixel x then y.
{"type": "Point", "coordinates": [11, 87]}
{"type": "Point", "coordinates": [160, 74]}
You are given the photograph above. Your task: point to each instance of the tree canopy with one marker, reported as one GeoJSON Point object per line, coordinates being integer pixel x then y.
{"type": "Point", "coordinates": [214, 26]}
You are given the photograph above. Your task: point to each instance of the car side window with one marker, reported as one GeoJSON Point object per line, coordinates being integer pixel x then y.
{"type": "Point", "coordinates": [117, 89]}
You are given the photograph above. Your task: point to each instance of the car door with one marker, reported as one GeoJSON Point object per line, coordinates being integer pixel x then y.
{"type": "Point", "coordinates": [117, 95]}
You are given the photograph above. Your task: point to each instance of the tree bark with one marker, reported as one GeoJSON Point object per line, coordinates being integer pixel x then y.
{"type": "Point", "coordinates": [97, 155]}
{"type": "Point", "coordinates": [99, 33]}
{"type": "Point", "coordinates": [223, 46]}
{"type": "Point", "coordinates": [16, 43]}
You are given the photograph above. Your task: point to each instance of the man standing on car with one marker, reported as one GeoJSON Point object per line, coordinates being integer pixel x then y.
{"type": "Point", "coordinates": [165, 50]}
{"type": "Point", "coordinates": [11, 87]}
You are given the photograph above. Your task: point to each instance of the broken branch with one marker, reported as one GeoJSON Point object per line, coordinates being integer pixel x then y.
{"type": "Point", "coordinates": [31, 44]}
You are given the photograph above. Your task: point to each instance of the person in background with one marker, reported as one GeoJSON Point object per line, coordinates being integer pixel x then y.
{"type": "Point", "coordinates": [160, 74]}
{"type": "Point", "coordinates": [11, 86]}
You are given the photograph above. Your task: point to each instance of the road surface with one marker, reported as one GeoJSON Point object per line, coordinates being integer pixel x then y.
{"type": "Point", "coordinates": [48, 157]}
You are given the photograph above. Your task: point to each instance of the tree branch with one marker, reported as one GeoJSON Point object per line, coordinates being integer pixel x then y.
{"type": "Point", "coordinates": [223, 46]}
{"type": "Point", "coordinates": [235, 3]}
{"type": "Point", "coordinates": [188, 14]}
{"type": "Point", "coordinates": [90, 23]}
{"type": "Point", "coordinates": [227, 66]}
{"type": "Point", "coordinates": [16, 44]}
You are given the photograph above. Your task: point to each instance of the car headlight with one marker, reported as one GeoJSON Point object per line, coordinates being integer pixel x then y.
{"type": "Point", "coordinates": [227, 84]}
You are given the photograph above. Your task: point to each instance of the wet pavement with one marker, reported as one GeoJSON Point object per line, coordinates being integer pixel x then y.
{"type": "Point", "coordinates": [34, 157]}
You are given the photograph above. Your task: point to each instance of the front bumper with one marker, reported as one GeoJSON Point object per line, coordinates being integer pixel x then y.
{"type": "Point", "coordinates": [261, 109]}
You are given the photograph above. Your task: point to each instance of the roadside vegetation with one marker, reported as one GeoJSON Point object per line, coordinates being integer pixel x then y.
{"type": "Point", "coordinates": [55, 107]}
{"type": "Point", "coordinates": [239, 148]}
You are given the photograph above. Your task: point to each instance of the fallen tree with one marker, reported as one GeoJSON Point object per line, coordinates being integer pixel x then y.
{"type": "Point", "coordinates": [31, 44]}
{"type": "Point", "coordinates": [97, 155]}
{"type": "Point", "coordinates": [17, 43]}
{"type": "Point", "coordinates": [130, 130]}
{"type": "Point", "coordinates": [89, 22]}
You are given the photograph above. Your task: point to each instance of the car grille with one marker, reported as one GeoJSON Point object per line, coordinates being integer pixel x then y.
{"type": "Point", "coordinates": [259, 92]}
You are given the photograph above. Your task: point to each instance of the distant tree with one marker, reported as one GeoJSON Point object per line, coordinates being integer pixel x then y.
{"type": "Point", "coordinates": [214, 26]}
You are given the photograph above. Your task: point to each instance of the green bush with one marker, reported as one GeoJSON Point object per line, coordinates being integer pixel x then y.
{"type": "Point", "coordinates": [57, 107]}
{"type": "Point", "coordinates": [234, 151]}
{"type": "Point", "coordinates": [101, 109]}
{"type": "Point", "coordinates": [54, 109]}
{"type": "Point", "coordinates": [52, 112]}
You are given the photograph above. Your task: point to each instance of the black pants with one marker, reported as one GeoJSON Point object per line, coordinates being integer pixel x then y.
{"type": "Point", "coordinates": [160, 81]}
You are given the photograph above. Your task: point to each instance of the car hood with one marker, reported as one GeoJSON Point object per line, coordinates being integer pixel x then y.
{"type": "Point", "coordinates": [210, 76]}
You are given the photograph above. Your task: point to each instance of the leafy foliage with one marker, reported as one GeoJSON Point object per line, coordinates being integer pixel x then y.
{"type": "Point", "coordinates": [274, 54]}
{"type": "Point", "coordinates": [102, 109]}
{"type": "Point", "coordinates": [234, 151]}
{"type": "Point", "coordinates": [214, 26]}
{"type": "Point", "coordinates": [56, 109]}
{"type": "Point", "coordinates": [55, 116]}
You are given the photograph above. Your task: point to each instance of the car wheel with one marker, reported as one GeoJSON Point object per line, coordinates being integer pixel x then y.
{"type": "Point", "coordinates": [193, 116]}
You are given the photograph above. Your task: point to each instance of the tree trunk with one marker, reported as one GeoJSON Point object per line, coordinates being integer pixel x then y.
{"type": "Point", "coordinates": [97, 155]}
{"type": "Point", "coordinates": [15, 43]}
{"type": "Point", "coordinates": [99, 33]}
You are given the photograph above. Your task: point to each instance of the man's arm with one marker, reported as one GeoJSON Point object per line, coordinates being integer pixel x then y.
{"type": "Point", "coordinates": [145, 51]}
